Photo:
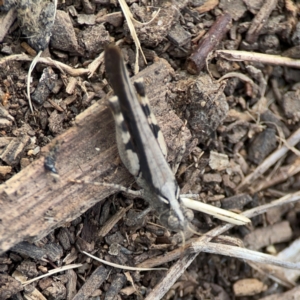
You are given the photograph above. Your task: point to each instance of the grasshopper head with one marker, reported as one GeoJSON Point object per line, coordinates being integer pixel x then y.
{"type": "Point", "coordinates": [177, 217]}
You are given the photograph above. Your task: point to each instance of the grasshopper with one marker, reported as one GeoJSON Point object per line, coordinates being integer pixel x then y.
{"type": "Point", "coordinates": [143, 151]}
{"type": "Point", "coordinates": [141, 145]}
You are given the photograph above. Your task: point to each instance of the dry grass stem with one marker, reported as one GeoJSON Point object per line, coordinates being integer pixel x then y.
{"type": "Point", "coordinates": [122, 266]}
{"type": "Point", "coordinates": [48, 61]}
{"type": "Point", "coordinates": [51, 272]}
{"type": "Point", "coordinates": [217, 212]}
{"type": "Point", "coordinates": [235, 55]}
{"type": "Point", "coordinates": [281, 175]}
{"type": "Point", "coordinates": [129, 17]}
{"type": "Point", "coordinates": [243, 253]}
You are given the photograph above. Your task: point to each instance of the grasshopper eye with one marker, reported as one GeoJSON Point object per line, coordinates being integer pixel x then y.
{"type": "Point", "coordinates": [173, 222]}
{"type": "Point", "coordinates": [188, 213]}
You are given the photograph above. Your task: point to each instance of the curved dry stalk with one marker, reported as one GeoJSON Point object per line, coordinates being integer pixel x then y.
{"type": "Point", "coordinates": [129, 17]}
{"type": "Point", "coordinates": [51, 272]}
{"type": "Point", "coordinates": [122, 266]}
{"type": "Point", "coordinates": [48, 61]}
{"type": "Point", "coordinates": [32, 66]}
{"type": "Point", "coordinates": [241, 76]}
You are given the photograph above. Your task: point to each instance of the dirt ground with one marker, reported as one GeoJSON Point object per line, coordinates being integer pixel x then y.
{"type": "Point", "coordinates": [221, 75]}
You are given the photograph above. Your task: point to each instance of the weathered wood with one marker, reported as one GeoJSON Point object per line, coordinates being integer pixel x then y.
{"type": "Point", "coordinates": [93, 282]}
{"type": "Point", "coordinates": [32, 204]}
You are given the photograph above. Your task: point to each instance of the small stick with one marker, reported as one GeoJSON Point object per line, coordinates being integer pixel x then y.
{"type": "Point", "coordinates": [6, 22]}
{"type": "Point", "coordinates": [235, 55]}
{"type": "Point", "coordinates": [260, 20]}
{"type": "Point", "coordinates": [94, 281]}
{"type": "Point", "coordinates": [281, 175]}
{"type": "Point", "coordinates": [110, 223]}
{"type": "Point", "coordinates": [212, 38]}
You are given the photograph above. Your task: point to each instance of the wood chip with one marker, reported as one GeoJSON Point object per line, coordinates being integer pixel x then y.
{"type": "Point", "coordinates": [248, 287]}
{"type": "Point", "coordinates": [262, 237]}
{"type": "Point", "coordinates": [92, 283]}
{"type": "Point", "coordinates": [218, 161]}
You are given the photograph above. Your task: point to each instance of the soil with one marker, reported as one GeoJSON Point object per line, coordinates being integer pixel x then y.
{"type": "Point", "coordinates": [238, 114]}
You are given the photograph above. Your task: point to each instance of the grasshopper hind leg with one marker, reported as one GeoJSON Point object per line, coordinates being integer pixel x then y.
{"type": "Point", "coordinates": [124, 143]}
{"type": "Point", "coordinates": [145, 105]}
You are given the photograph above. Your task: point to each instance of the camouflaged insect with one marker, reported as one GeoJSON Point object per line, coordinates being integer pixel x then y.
{"type": "Point", "coordinates": [141, 145]}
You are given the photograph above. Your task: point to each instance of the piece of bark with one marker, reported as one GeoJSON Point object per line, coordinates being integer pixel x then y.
{"type": "Point", "coordinates": [290, 105]}
{"type": "Point", "coordinates": [205, 6]}
{"type": "Point", "coordinates": [248, 287]}
{"type": "Point", "coordinates": [86, 19]}
{"type": "Point", "coordinates": [83, 245]}
{"type": "Point", "coordinates": [112, 221]}
{"type": "Point", "coordinates": [6, 21]}
{"type": "Point", "coordinates": [153, 33]}
{"type": "Point", "coordinates": [115, 287]}
{"type": "Point", "coordinates": [218, 161]}
{"type": "Point", "coordinates": [63, 238]}
{"type": "Point", "coordinates": [88, 7]}
{"type": "Point", "coordinates": [9, 286]}
{"type": "Point", "coordinates": [92, 283]}
{"type": "Point", "coordinates": [54, 251]}
{"type": "Point", "coordinates": [71, 284]}
{"type": "Point", "coordinates": [259, 20]}
{"type": "Point", "coordinates": [56, 122]}
{"type": "Point", "coordinates": [211, 177]}
{"type": "Point", "coordinates": [262, 237]}
{"type": "Point", "coordinates": [12, 153]}
{"type": "Point", "coordinates": [4, 170]}
{"type": "Point", "coordinates": [30, 250]}
{"type": "Point", "coordinates": [236, 201]}
{"type": "Point", "coordinates": [262, 145]}
{"type": "Point", "coordinates": [33, 204]}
